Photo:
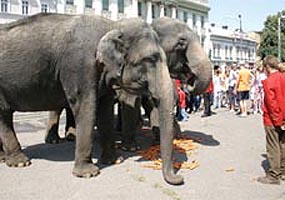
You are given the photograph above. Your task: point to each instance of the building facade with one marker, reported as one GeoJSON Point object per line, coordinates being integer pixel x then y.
{"type": "Point", "coordinates": [192, 12]}
{"type": "Point", "coordinates": [226, 47]}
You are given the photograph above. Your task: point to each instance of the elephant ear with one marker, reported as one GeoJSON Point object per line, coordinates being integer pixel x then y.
{"type": "Point", "coordinates": [110, 51]}
{"type": "Point", "coordinates": [181, 43]}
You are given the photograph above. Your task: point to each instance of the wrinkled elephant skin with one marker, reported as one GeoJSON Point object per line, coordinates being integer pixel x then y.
{"type": "Point", "coordinates": [81, 62]}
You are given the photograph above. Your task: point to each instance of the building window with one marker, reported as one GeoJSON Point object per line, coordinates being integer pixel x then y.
{"type": "Point", "coordinates": [88, 3]}
{"type": "Point", "coordinates": [219, 50]}
{"type": "Point", "coordinates": [4, 5]}
{"type": "Point", "coordinates": [194, 20]}
{"type": "Point", "coordinates": [105, 4]}
{"type": "Point", "coordinates": [139, 8]}
{"type": "Point", "coordinates": [69, 2]}
{"type": "Point", "coordinates": [231, 53]}
{"type": "Point", "coordinates": [185, 16]}
{"type": "Point", "coordinates": [202, 21]}
{"type": "Point", "coordinates": [226, 52]}
{"type": "Point", "coordinates": [44, 8]}
{"type": "Point", "coordinates": [121, 6]}
{"type": "Point", "coordinates": [25, 7]}
{"type": "Point", "coordinates": [152, 11]}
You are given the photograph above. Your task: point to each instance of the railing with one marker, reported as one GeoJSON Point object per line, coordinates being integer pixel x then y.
{"type": "Point", "coordinates": [70, 9]}
{"type": "Point", "coordinates": [89, 11]}
{"type": "Point", "coordinates": [122, 16]}
{"type": "Point", "coordinates": [106, 14]}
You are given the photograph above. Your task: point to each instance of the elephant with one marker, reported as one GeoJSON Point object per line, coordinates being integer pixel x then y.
{"type": "Point", "coordinates": [51, 61]}
{"type": "Point", "coordinates": [186, 61]}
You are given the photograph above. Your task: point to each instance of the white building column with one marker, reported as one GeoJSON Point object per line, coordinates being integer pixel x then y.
{"type": "Point", "coordinates": [148, 12]}
{"type": "Point", "coordinates": [161, 12]}
{"type": "Point", "coordinates": [97, 5]}
{"type": "Point", "coordinates": [80, 6]}
{"type": "Point", "coordinates": [173, 12]}
{"type": "Point", "coordinates": [198, 24]}
{"type": "Point", "coordinates": [60, 6]}
{"type": "Point", "coordinates": [113, 7]}
{"type": "Point", "coordinates": [190, 20]}
{"type": "Point", "coordinates": [134, 8]}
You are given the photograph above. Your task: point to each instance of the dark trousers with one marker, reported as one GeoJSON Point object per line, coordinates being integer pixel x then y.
{"type": "Point", "coordinates": [207, 103]}
{"type": "Point", "coordinates": [275, 147]}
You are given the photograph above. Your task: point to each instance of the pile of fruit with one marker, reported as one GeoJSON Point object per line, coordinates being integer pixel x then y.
{"type": "Point", "coordinates": [183, 147]}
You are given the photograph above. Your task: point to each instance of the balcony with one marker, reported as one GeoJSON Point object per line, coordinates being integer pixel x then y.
{"type": "Point", "coordinates": [89, 11]}
{"type": "Point", "coordinates": [121, 16]}
{"type": "Point", "coordinates": [70, 9]}
{"type": "Point", "coordinates": [106, 14]}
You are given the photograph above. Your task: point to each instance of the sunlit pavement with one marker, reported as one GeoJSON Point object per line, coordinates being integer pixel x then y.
{"type": "Point", "coordinates": [231, 152]}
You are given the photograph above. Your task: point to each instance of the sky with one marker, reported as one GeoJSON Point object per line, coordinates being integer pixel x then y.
{"type": "Point", "coordinates": [253, 12]}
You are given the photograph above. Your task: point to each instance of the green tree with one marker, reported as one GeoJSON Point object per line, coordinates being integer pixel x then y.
{"type": "Point", "coordinates": [269, 37]}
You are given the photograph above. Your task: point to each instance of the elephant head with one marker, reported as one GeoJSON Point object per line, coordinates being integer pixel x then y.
{"type": "Point", "coordinates": [186, 58]}
{"type": "Point", "coordinates": [134, 63]}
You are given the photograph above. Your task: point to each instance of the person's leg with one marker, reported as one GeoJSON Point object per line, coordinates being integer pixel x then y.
{"type": "Point", "coordinates": [241, 103]}
{"type": "Point", "coordinates": [273, 151]}
{"type": "Point", "coordinates": [282, 154]}
{"type": "Point", "coordinates": [184, 114]}
{"type": "Point", "coordinates": [273, 156]}
{"type": "Point", "coordinates": [207, 104]}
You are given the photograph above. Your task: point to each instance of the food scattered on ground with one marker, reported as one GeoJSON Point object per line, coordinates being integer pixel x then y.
{"type": "Point", "coordinates": [182, 148]}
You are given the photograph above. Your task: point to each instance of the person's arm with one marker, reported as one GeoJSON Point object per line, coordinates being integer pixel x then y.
{"type": "Point", "coordinates": [236, 85]}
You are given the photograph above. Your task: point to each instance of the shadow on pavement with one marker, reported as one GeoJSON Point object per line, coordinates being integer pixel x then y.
{"type": "Point", "coordinates": [201, 138]}
{"type": "Point", "coordinates": [265, 163]}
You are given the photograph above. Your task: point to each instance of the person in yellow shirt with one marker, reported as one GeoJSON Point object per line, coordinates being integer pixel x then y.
{"type": "Point", "coordinates": [242, 88]}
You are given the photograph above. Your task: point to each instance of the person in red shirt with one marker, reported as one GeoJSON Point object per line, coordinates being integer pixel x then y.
{"type": "Point", "coordinates": [182, 104]}
{"type": "Point", "coordinates": [208, 95]}
{"type": "Point", "coordinates": [274, 121]}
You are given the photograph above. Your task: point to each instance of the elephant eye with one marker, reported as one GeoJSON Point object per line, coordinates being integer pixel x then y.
{"type": "Point", "coordinates": [152, 58]}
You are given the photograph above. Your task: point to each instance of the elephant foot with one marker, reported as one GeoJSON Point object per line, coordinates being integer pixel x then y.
{"type": "Point", "coordinates": [70, 134]}
{"type": "Point", "coordinates": [53, 138]}
{"type": "Point", "coordinates": [130, 146]}
{"type": "Point", "coordinates": [2, 156]}
{"type": "Point", "coordinates": [19, 160]}
{"type": "Point", "coordinates": [174, 179]}
{"type": "Point", "coordinates": [86, 170]}
{"type": "Point", "coordinates": [111, 158]}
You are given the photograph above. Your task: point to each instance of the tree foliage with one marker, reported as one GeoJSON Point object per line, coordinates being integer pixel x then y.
{"type": "Point", "coordinates": [269, 36]}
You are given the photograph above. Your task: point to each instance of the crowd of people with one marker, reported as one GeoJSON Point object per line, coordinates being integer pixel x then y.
{"type": "Point", "coordinates": [236, 87]}
{"type": "Point", "coordinates": [247, 89]}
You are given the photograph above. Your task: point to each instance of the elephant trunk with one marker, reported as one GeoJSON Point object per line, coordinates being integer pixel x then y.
{"type": "Point", "coordinates": [164, 90]}
{"type": "Point", "coordinates": [200, 67]}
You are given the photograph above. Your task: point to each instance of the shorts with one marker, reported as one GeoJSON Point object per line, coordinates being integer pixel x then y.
{"type": "Point", "coordinates": [243, 95]}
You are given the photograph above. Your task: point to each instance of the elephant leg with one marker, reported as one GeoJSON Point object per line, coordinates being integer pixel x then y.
{"type": "Point", "coordinates": [2, 154]}
{"type": "Point", "coordinates": [14, 156]}
{"type": "Point", "coordinates": [154, 120]}
{"type": "Point", "coordinates": [84, 113]}
{"type": "Point", "coordinates": [130, 124]}
{"type": "Point", "coordinates": [70, 125]}
{"type": "Point", "coordinates": [52, 135]}
{"type": "Point", "coordinates": [105, 123]}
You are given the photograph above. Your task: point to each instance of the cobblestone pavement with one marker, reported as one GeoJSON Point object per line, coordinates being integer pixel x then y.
{"type": "Point", "coordinates": [231, 153]}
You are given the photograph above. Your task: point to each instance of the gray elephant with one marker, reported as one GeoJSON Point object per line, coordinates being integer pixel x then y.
{"type": "Point", "coordinates": [186, 60]}
{"type": "Point", "coordinates": [55, 61]}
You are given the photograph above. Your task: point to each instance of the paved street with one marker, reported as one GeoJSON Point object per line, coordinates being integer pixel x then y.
{"type": "Point", "coordinates": [231, 153]}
